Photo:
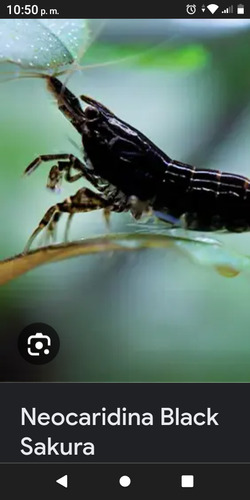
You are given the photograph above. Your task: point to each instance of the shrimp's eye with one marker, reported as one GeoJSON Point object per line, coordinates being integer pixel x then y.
{"type": "Point", "coordinates": [91, 113]}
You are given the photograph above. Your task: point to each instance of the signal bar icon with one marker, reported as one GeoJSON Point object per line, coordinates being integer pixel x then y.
{"type": "Point", "coordinates": [229, 10]}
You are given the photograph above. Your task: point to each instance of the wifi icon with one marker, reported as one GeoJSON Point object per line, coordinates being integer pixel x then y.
{"type": "Point", "coordinates": [212, 7]}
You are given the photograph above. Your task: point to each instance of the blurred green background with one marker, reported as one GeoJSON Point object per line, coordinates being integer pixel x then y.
{"type": "Point", "coordinates": [143, 316]}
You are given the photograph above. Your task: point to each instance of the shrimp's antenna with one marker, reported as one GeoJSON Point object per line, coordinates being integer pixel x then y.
{"type": "Point", "coordinates": [75, 66]}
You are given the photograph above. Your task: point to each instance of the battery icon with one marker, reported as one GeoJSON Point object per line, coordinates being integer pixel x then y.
{"type": "Point", "coordinates": [240, 9]}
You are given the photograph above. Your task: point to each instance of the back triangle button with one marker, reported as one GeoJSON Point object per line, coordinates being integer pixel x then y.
{"type": "Point", "coordinates": [63, 481]}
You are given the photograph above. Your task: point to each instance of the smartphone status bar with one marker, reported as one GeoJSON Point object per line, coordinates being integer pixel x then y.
{"type": "Point", "coordinates": [172, 10]}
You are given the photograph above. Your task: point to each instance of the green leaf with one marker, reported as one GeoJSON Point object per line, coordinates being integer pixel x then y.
{"type": "Point", "coordinates": [45, 44]}
{"type": "Point", "coordinates": [202, 251]}
{"type": "Point", "coordinates": [42, 44]}
{"type": "Point", "coordinates": [159, 56]}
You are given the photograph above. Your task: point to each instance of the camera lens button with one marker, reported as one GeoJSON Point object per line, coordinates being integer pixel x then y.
{"type": "Point", "coordinates": [38, 343]}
